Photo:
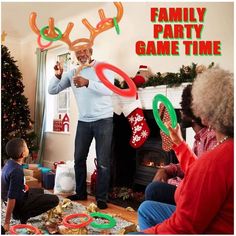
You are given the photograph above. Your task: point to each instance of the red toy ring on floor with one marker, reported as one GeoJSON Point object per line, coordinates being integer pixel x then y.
{"type": "Point", "coordinates": [24, 226]}
{"type": "Point", "coordinates": [130, 92]}
{"type": "Point", "coordinates": [77, 226]}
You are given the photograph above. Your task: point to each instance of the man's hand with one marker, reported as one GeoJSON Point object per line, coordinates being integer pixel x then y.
{"type": "Point", "coordinates": [175, 134]}
{"type": "Point", "coordinates": [161, 175]}
{"type": "Point", "coordinates": [80, 81]}
{"type": "Point", "coordinates": [6, 226]}
{"type": "Point", "coordinates": [58, 70]}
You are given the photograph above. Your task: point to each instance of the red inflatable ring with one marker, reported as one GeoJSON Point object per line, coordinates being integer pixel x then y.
{"type": "Point", "coordinates": [41, 45]}
{"type": "Point", "coordinates": [24, 226]}
{"type": "Point", "coordinates": [77, 226]}
{"type": "Point", "coordinates": [130, 92]}
{"type": "Point", "coordinates": [103, 22]}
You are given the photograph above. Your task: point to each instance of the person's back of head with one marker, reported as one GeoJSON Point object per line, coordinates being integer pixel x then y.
{"type": "Point", "coordinates": [15, 148]}
{"type": "Point", "coordinates": [188, 118]}
{"type": "Point", "coordinates": [213, 99]}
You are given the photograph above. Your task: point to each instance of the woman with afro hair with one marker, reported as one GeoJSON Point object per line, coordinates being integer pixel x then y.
{"type": "Point", "coordinates": [205, 197]}
{"type": "Point", "coordinates": [166, 180]}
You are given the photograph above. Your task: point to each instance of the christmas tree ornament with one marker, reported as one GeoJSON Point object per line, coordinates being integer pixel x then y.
{"type": "Point", "coordinates": [137, 121]}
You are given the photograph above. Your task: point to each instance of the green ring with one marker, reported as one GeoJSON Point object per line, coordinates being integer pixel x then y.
{"type": "Point", "coordinates": [48, 38]}
{"type": "Point", "coordinates": [116, 25]}
{"type": "Point", "coordinates": [111, 224]}
{"type": "Point", "coordinates": [170, 109]}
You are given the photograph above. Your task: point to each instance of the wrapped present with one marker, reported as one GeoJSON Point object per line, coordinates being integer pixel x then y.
{"type": "Point", "coordinates": [25, 166]}
{"type": "Point", "coordinates": [36, 173]}
{"type": "Point", "coordinates": [32, 182]}
{"type": "Point", "coordinates": [45, 169]}
{"type": "Point", "coordinates": [33, 166]}
{"type": "Point", "coordinates": [48, 180]}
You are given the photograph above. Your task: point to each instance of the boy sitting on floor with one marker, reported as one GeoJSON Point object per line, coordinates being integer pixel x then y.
{"type": "Point", "coordinates": [20, 203]}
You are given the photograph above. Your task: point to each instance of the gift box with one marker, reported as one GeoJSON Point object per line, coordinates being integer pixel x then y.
{"type": "Point", "coordinates": [48, 180]}
{"type": "Point", "coordinates": [36, 173]}
{"type": "Point", "coordinates": [32, 182]}
{"type": "Point", "coordinates": [25, 166]}
{"type": "Point", "coordinates": [45, 169]}
{"type": "Point", "coordinates": [33, 166]}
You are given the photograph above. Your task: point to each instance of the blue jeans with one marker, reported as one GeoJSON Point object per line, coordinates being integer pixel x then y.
{"type": "Point", "coordinates": [102, 131]}
{"type": "Point", "coordinates": [160, 192]}
{"type": "Point", "coordinates": [151, 213]}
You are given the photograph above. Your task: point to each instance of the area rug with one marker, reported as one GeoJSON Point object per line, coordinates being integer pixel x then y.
{"type": "Point", "coordinates": [122, 226]}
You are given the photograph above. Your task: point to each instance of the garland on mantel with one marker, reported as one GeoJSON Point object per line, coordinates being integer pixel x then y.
{"type": "Point", "coordinates": [186, 74]}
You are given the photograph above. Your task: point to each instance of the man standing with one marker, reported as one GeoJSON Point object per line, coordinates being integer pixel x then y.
{"type": "Point", "coordinates": [95, 121]}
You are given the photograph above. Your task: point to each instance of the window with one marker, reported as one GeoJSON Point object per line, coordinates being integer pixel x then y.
{"type": "Point", "coordinates": [63, 98]}
{"type": "Point", "coordinates": [58, 106]}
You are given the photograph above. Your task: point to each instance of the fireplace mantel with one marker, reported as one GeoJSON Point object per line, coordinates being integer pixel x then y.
{"type": "Point", "coordinates": [146, 96]}
{"type": "Point", "coordinates": [123, 154]}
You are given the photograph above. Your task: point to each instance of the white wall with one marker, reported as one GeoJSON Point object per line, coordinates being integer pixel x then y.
{"type": "Point", "coordinates": [119, 50]}
{"type": "Point", "coordinates": [23, 51]}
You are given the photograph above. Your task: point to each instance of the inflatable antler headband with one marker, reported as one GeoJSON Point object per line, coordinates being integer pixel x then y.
{"type": "Point", "coordinates": [51, 33]}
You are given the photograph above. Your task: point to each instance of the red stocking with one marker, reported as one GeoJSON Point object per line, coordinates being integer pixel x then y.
{"type": "Point", "coordinates": [140, 129]}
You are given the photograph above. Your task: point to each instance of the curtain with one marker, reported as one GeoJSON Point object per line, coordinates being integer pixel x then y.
{"type": "Point", "coordinates": [40, 101]}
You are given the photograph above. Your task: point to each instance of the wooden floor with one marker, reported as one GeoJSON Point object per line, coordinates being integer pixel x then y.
{"type": "Point", "coordinates": [113, 209]}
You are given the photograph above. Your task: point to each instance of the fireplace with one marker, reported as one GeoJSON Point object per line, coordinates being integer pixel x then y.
{"type": "Point", "coordinates": [149, 158]}
{"type": "Point", "coordinates": [138, 166]}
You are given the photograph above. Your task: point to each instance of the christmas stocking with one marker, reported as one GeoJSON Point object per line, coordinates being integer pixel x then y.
{"type": "Point", "coordinates": [165, 117]}
{"type": "Point", "coordinates": [140, 129]}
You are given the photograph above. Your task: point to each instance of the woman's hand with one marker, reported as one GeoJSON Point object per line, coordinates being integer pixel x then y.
{"type": "Point", "coordinates": [175, 134]}
{"type": "Point", "coordinates": [161, 175]}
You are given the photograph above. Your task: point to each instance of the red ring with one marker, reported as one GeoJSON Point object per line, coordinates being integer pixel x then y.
{"type": "Point", "coordinates": [130, 92]}
{"type": "Point", "coordinates": [41, 45]}
{"type": "Point", "coordinates": [103, 22]}
{"type": "Point", "coordinates": [24, 226]}
{"type": "Point", "coordinates": [77, 226]}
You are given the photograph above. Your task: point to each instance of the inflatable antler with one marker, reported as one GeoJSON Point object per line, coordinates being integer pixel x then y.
{"type": "Point", "coordinates": [103, 25]}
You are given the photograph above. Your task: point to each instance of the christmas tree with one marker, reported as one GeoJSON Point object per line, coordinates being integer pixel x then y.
{"type": "Point", "coordinates": [16, 122]}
